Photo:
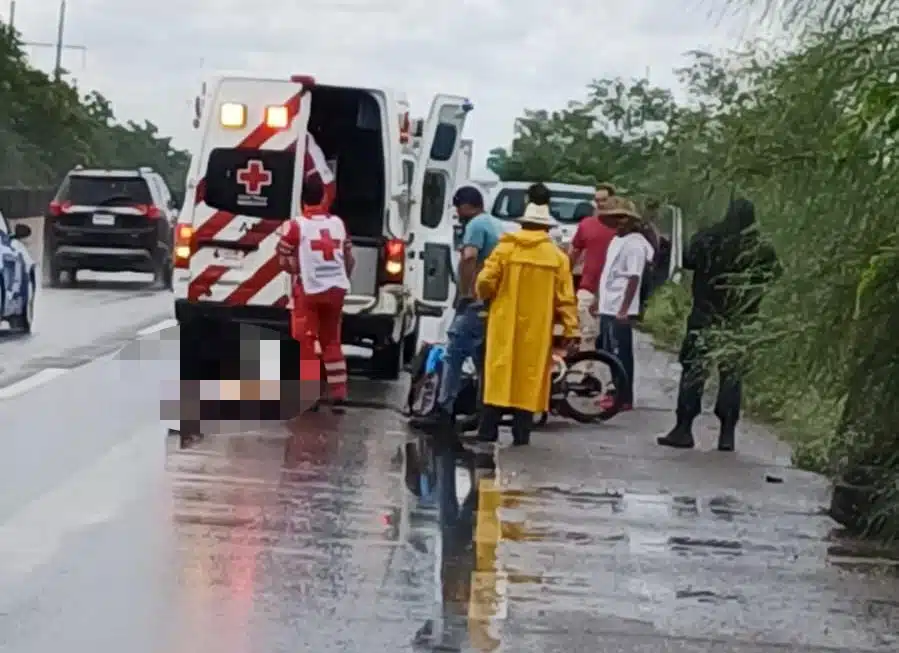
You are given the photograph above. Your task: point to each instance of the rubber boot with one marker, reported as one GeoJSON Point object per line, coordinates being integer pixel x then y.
{"type": "Point", "coordinates": [726, 437]}
{"type": "Point", "coordinates": [680, 437]}
{"type": "Point", "coordinates": [435, 422]}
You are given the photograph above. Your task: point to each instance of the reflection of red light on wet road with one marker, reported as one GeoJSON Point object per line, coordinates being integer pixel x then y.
{"type": "Point", "coordinates": [243, 563]}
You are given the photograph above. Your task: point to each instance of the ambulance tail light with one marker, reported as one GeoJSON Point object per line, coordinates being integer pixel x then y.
{"type": "Point", "coordinates": [394, 262]}
{"type": "Point", "coordinates": [184, 245]}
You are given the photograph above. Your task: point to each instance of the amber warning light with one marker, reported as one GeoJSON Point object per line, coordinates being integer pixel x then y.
{"type": "Point", "coordinates": [184, 245]}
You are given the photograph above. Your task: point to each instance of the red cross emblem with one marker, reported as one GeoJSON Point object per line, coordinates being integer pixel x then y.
{"type": "Point", "coordinates": [325, 244]}
{"type": "Point", "coordinates": [254, 177]}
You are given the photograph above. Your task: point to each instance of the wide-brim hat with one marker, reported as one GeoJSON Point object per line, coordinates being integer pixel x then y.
{"type": "Point", "coordinates": [538, 214]}
{"type": "Point", "coordinates": [618, 207]}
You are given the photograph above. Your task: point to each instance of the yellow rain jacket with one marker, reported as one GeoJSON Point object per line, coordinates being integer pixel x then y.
{"type": "Point", "coordinates": [527, 280]}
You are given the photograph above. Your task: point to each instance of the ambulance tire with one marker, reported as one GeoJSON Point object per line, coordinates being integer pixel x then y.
{"type": "Point", "coordinates": [387, 362]}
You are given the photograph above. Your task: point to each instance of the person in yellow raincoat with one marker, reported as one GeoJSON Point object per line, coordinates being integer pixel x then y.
{"type": "Point", "coordinates": [527, 280]}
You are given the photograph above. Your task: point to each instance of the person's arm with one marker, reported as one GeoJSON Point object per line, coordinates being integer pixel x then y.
{"type": "Point", "coordinates": [287, 247]}
{"type": "Point", "coordinates": [348, 259]}
{"type": "Point", "coordinates": [633, 264]}
{"type": "Point", "coordinates": [576, 249]}
{"type": "Point", "coordinates": [491, 275]}
{"type": "Point", "coordinates": [565, 303]}
{"type": "Point", "coordinates": [473, 242]}
{"type": "Point", "coordinates": [695, 254]}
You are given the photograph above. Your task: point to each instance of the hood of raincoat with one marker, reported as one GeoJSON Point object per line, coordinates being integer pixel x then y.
{"type": "Point", "coordinates": [739, 217]}
{"type": "Point", "coordinates": [527, 237]}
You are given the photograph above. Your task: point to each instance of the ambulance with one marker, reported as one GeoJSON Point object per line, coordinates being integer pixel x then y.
{"type": "Point", "coordinates": [244, 182]}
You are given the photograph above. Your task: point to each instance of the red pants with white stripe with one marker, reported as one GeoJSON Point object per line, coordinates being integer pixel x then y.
{"type": "Point", "coordinates": [316, 319]}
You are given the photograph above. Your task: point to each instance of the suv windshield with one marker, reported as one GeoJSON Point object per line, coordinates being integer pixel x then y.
{"type": "Point", "coordinates": [103, 191]}
{"type": "Point", "coordinates": [509, 204]}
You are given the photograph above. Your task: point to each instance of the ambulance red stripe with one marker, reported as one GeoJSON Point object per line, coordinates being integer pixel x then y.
{"type": "Point", "coordinates": [264, 275]}
{"type": "Point", "coordinates": [203, 282]}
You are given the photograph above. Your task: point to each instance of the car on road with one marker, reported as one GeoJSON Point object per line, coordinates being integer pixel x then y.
{"type": "Point", "coordinates": [18, 277]}
{"type": "Point", "coordinates": [110, 221]}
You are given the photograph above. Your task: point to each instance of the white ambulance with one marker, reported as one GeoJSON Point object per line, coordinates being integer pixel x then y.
{"type": "Point", "coordinates": [245, 180]}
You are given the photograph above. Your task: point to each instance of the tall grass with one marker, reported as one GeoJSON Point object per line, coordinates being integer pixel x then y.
{"type": "Point", "coordinates": [811, 137]}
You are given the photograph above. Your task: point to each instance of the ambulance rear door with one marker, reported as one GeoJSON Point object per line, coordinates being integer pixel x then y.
{"type": "Point", "coordinates": [250, 171]}
{"type": "Point", "coordinates": [430, 246]}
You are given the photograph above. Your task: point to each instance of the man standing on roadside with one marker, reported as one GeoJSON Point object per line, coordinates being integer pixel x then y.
{"type": "Point", "coordinates": [465, 336]}
{"type": "Point", "coordinates": [731, 268]}
{"type": "Point", "coordinates": [618, 303]}
{"type": "Point", "coordinates": [589, 246]}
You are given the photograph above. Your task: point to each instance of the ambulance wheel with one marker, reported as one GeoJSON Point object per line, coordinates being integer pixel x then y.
{"type": "Point", "coordinates": [387, 362]}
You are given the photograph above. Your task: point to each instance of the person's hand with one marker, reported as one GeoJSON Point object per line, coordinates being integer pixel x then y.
{"type": "Point", "coordinates": [622, 315]}
{"type": "Point", "coordinates": [594, 308]}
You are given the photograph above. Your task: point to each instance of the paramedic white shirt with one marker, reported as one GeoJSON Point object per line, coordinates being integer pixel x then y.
{"type": "Point", "coordinates": [627, 257]}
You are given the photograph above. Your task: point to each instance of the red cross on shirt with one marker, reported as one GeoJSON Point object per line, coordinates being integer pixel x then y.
{"type": "Point", "coordinates": [254, 177]}
{"type": "Point", "coordinates": [325, 244]}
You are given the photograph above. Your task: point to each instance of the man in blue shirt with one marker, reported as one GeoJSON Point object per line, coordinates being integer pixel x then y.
{"type": "Point", "coordinates": [465, 336]}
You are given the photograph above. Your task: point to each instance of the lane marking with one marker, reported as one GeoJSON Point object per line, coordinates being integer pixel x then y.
{"type": "Point", "coordinates": [21, 387]}
{"type": "Point", "coordinates": [156, 328]}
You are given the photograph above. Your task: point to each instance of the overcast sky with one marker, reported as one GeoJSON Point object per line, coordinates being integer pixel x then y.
{"type": "Point", "coordinates": [149, 57]}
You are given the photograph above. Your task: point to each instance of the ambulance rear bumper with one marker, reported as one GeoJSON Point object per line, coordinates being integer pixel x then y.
{"type": "Point", "coordinates": [213, 314]}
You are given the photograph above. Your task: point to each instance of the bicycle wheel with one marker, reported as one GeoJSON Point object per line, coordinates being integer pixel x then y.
{"type": "Point", "coordinates": [589, 387]}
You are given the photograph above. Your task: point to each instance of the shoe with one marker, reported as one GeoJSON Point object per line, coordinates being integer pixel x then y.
{"type": "Point", "coordinates": [338, 406]}
{"type": "Point", "coordinates": [523, 442]}
{"type": "Point", "coordinates": [434, 423]}
{"type": "Point", "coordinates": [726, 437]}
{"type": "Point", "coordinates": [680, 437]}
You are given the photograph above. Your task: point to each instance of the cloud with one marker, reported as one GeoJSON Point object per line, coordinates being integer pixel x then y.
{"type": "Point", "coordinates": [506, 55]}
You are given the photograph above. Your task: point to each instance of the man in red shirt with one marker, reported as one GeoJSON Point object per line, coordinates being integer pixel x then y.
{"type": "Point", "coordinates": [590, 243]}
{"type": "Point", "coordinates": [316, 250]}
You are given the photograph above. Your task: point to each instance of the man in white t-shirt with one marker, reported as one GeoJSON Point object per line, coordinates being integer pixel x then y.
{"type": "Point", "coordinates": [618, 295]}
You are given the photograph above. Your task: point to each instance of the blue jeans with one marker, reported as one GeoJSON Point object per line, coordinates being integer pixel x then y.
{"type": "Point", "coordinates": [617, 338]}
{"type": "Point", "coordinates": [464, 339]}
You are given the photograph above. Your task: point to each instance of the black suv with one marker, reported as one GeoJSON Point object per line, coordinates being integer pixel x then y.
{"type": "Point", "coordinates": [110, 221]}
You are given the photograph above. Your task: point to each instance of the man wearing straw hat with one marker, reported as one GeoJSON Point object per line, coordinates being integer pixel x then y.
{"type": "Point", "coordinates": [527, 280]}
{"type": "Point", "coordinates": [618, 295]}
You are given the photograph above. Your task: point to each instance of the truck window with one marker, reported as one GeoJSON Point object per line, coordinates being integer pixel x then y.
{"type": "Point", "coordinates": [444, 142]}
{"type": "Point", "coordinates": [257, 183]}
{"type": "Point", "coordinates": [434, 200]}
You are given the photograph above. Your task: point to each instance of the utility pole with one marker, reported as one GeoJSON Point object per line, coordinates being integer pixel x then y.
{"type": "Point", "coordinates": [57, 69]}
{"type": "Point", "coordinates": [12, 14]}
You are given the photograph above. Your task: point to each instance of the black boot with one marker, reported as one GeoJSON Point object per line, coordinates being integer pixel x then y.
{"type": "Point", "coordinates": [434, 423]}
{"type": "Point", "coordinates": [680, 437]}
{"type": "Point", "coordinates": [727, 436]}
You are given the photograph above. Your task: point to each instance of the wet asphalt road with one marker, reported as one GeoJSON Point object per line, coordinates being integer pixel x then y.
{"type": "Point", "coordinates": [313, 536]}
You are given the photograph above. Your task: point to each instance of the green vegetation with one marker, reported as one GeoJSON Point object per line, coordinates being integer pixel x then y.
{"type": "Point", "coordinates": [47, 127]}
{"type": "Point", "coordinates": [810, 135]}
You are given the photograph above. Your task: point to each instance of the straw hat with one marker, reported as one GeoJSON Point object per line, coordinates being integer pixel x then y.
{"type": "Point", "coordinates": [618, 207]}
{"type": "Point", "coordinates": [538, 214]}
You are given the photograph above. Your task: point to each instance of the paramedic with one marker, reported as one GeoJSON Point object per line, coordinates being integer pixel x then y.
{"type": "Point", "coordinates": [527, 280]}
{"type": "Point", "coordinates": [465, 336]}
{"type": "Point", "coordinates": [316, 249]}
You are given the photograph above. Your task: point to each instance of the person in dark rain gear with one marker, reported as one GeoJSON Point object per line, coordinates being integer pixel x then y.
{"type": "Point", "coordinates": [731, 267]}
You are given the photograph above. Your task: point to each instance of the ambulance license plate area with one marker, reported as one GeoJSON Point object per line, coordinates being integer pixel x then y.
{"type": "Point", "coordinates": [229, 258]}
{"type": "Point", "coordinates": [103, 219]}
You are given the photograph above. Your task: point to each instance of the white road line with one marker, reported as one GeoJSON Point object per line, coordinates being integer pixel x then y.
{"type": "Point", "coordinates": [32, 382]}
{"type": "Point", "coordinates": [156, 328]}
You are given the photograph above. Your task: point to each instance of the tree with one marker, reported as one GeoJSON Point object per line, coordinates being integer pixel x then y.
{"type": "Point", "coordinates": [607, 137]}
{"type": "Point", "coordinates": [46, 128]}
